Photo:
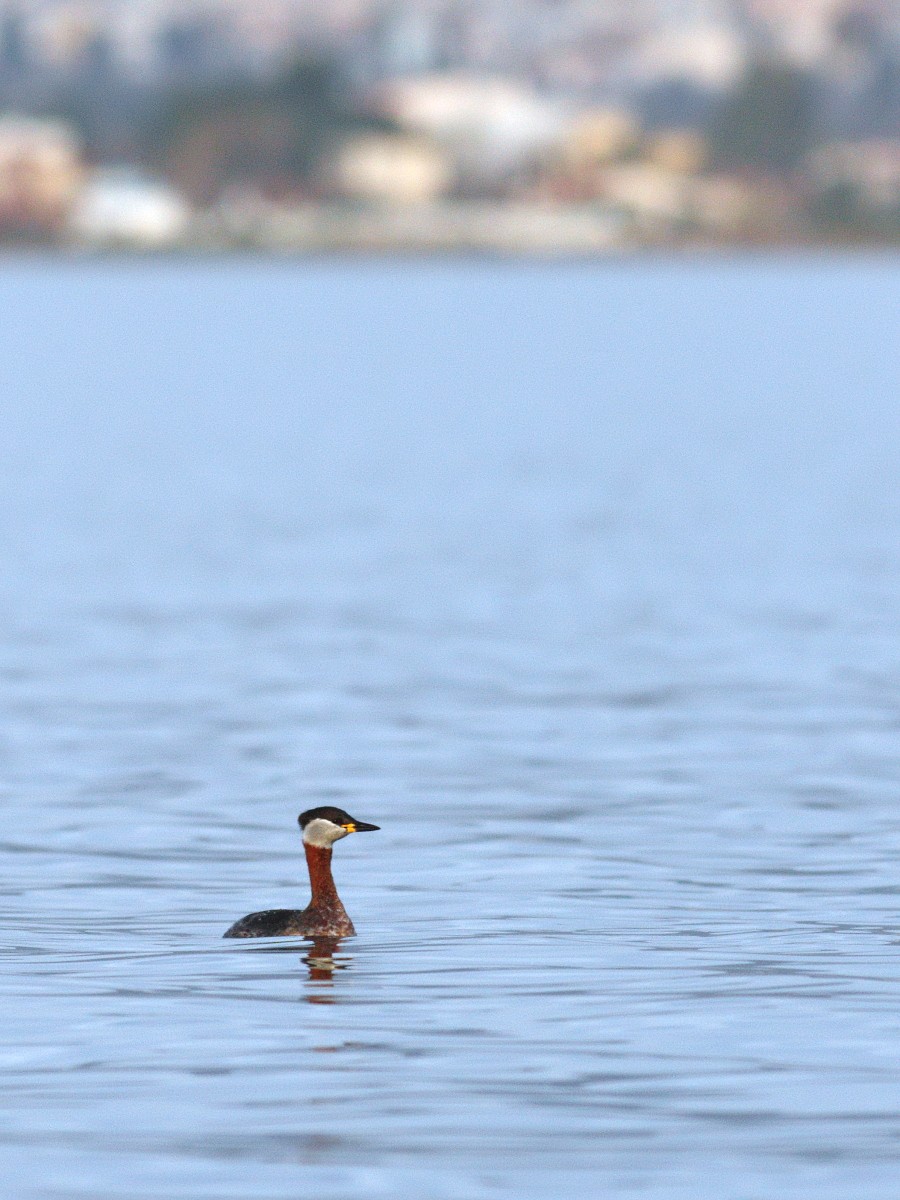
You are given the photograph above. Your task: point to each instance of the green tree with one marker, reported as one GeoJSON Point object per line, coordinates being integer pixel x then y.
{"type": "Point", "coordinates": [271, 133]}
{"type": "Point", "coordinates": [768, 122]}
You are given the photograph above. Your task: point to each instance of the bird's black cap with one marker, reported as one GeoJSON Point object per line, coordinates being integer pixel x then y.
{"type": "Point", "coordinates": [336, 816]}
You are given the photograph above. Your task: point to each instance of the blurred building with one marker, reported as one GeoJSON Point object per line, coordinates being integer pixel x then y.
{"type": "Point", "coordinates": [121, 207]}
{"type": "Point", "coordinates": [654, 199]}
{"type": "Point", "coordinates": [599, 136]}
{"type": "Point", "coordinates": [804, 31]}
{"type": "Point", "coordinates": [683, 151]}
{"type": "Point", "coordinates": [741, 118]}
{"type": "Point", "coordinates": [700, 44]}
{"type": "Point", "coordinates": [490, 126]}
{"type": "Point", "coordinates": [40, 173]}
{"type": "Point", "coordinates": [390, 169]}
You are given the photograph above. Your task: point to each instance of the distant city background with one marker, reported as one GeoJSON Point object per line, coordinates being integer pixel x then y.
{"type": "Point", "coordinates": [548, 126]}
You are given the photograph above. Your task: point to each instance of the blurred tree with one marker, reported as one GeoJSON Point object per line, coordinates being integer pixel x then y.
{"type": "Point", "coordinates": [676, 104]}
{"type": "Point", "coordinates": [15, 51]}
{"type": "Point", "coordinates": [841, 209]}
{"type": "Point", "coordinates": [768, 121]}
{"type": "Point", "coordinates": [104, 108]}
{"type": "Point", "coordinates": [879, 104]}
{"type": "Point", "coordinates": [191, 47]}
{"type": "Point", "coordinates": [840, 204]}
{"type": "Point", "coordinates": [270, 133]}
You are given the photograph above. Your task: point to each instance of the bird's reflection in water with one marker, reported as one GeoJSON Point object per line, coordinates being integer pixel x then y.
{"type": "Point", "coordinates": [322, 963]}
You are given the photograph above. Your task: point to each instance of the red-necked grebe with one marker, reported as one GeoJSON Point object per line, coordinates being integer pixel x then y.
{"type": "Point", "coordinates": [324, 916]}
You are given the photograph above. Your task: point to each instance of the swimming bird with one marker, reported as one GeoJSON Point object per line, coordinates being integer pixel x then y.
{"type": "Point", "coordinates": [324, 916]}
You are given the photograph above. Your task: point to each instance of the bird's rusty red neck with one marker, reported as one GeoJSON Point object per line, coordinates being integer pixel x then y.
{"type": "Point", "coordinates": [324, 893]}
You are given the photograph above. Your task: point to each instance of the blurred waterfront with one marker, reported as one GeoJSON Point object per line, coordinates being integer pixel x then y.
{"type": "Point", "coordinates": [449, 124]}
{"type": "Point", "coordinates": [583, 582]}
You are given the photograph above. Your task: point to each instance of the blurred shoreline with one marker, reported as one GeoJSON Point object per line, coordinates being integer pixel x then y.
{"type": "Point", "coordinates": [876, 252]}
{"type": "Point", "coordinates": [530, 234]}
{"type": "Point", "coordinates": [744, 138]}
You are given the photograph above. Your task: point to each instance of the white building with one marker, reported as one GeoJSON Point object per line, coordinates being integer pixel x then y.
{"type": "Point", "coordinates": [490, 125]}
{"type": "Point", "coordinates": [40, 172]}
{"type": "Point", "coordinates": [121, 207]}
{"type": "Point", "coordinates": [391, 169]}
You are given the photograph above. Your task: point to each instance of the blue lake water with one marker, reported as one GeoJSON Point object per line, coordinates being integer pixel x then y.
{"type": "Point", "coordinates": [582, 582]}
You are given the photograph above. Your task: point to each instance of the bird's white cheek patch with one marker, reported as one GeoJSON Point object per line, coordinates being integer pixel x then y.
{"type": "Point", "coordinates": [322, 833]}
